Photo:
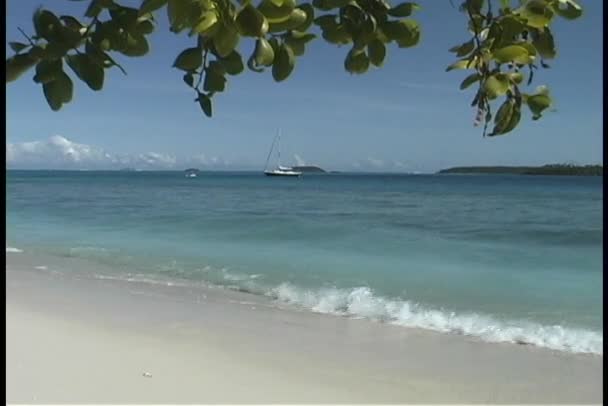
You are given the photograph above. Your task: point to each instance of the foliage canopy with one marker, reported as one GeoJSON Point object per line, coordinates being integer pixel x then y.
{"type": "Point", "coordinates": [507, 45]}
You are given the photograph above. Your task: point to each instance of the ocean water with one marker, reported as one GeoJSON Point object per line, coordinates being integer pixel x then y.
{"type": "Point", "coordinates": [502, 258]}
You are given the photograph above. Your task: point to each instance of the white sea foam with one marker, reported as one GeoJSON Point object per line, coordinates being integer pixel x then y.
{"type": "Point", "coordinates": [237, 277]}
{"type": "Point", "coordinates": [86, 249]}
{"type": "Point", "coordinates": [41, 267]}
{"type": "Point", "coordinates": [13, 250]}
{"type": "Point", "coordinates": [362, 303]}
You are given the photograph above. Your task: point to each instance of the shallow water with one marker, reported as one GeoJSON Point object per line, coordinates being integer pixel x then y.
{"type": "Point", "coordinates": [505, 258]}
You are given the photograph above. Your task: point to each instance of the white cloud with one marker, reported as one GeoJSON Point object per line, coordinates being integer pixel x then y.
{"type": "Point", "coordinates": [154, 159]}
{"type": "Point", "coordinates": [376, 163]}
{"type": "Point", "coordinates": [58, 152]}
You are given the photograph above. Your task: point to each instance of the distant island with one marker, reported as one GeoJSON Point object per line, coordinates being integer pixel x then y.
{"type": "Point", "coordinates": [309, 169]}
{"type": "Point", "coordinates": [553, 169]}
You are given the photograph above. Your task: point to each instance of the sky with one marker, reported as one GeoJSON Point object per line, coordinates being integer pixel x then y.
{"type": "Point", "coordinates": [408, 116]}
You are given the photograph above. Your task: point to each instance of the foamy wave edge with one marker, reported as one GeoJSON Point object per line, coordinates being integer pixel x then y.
{"type": "Point", "coordinates": [361, 302]}
{"type": "Point", "coordinates": [13, 249]}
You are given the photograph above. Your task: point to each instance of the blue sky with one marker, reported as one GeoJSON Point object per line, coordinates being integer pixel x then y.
{"type": "Point", "coordinates": [407, 116]}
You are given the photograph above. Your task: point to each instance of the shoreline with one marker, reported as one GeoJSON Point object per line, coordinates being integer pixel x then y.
{"type": "Point", "coordinates": [205, 345]}
{"type": "Point", "coordinates": [358, 302]}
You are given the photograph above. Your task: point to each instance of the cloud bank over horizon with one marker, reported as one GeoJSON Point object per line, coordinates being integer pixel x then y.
{"type": "Point", "coordinates": [60, 152]}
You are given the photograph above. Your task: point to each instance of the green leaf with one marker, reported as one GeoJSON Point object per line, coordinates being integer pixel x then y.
{"type": "Point", "coordinates": [214, 78]}
{"type": "Point", "coordinates": [274, 13]}
{"type": "Point", "coordinates": [516, 77]}
{"type": "Point", "coordinates": [207, 23]}
{"type": "Point", "coordinates": [205, 103]}
{"type": "Point", "coordinates": [496, 85]}
{"type": "Point", "coordinates": [225, 39]}
{"type": "Point", "coordinates": [48, 70]}
{"type": "Point", "coordinates": [95, 8]}
{"type": "Point", "coordinates": [536, 12]}
{"type": "Point", "coordinates": [135, 45]}
{"type": "Point", "coordinates": [544, 43]}
{"type": "Point", "coordinates": [310, 16]}
{"type": "Point", "coordinates": [405, 32]}
{"type": "Point", "coordinates": [506, 118]}
{"type": "Point", "coordinates": [233, 63]}
{"type": "Point", "coordinates": [59, 91]}
{"type": "Point", "coordinates": [531, 50]}
{"type": "Point", "coordinates": [325, 21]}
{"type": "Point", "coordinates": [511, 27]}
{"type": "Point", "coordinates": [178, 13]}
{"type": "Point", "coordinates": [571, 11]}
{"type": "Point", "coordinates": [189, 79]}
{"type": "Point", "coordinates": [469, 80]}
{"type": "Point", "coordinates": [125, 17]}
{"type": "Point", "coordinates": [403, 10]}
{"type": "Point", "coordinates": [537, 104]}
{"type": "Point", "coordinates": [263, 53]}
{"type": "Point", "coordinates": [46, 24]}
{"type": "Point", "coordinates": [336, 34]}
{"type": "Point", "coordinates": [297, 18]}
{"type": "Point", "coordinates": [189, 59]}
{"type": "Point", "coordinates": [17, 46]}
{"type": "Point", "coordinates": [87, 70]}
{"type": "Point", "coordinates": [145, 27]}
{"type": "Point", "coordinates": [250, 22]}
{"type": "Point", "coordinates": [252, 66]}
{"type": "Point", "coordinates": [512, 53]}
{"type": "Point", "coordinates": [148, 6]}
{"type": "Point", "coordinates": [283, 63]}
{"type": "Point", "coordinates": [377, 52]}
{"type": "Point", "coordinates": [55, 50]}
{"type": "Point", "coordinates": [17, 65]}
{"type": "Point", "coordinates": [462, 64]}
{"type": "Point", "coordinates": [356, 61]}
{"type": "Point", "coordinates": [474, 5]}
{"type": "Point", "coordinates": [297, 41]}
{"type": "Point", "coordinates": [71, 23]}
{"type": "Point", "coordinates": [464, 49]}
{"type": "Point", "coordinates": [324, 5]}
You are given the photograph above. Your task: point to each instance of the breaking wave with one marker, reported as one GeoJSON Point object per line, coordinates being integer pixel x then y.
{"type": "Point", "coordinates": [362, 303]}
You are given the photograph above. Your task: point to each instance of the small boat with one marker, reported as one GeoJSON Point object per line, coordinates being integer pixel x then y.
{"type": "Point", "coordinates": [279, 170]}
{"type": "Point", "coordinates": [191, 173]}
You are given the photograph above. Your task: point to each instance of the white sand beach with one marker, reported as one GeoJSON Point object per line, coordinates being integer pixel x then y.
{"type": "Point", "coordinates": [75, 339]}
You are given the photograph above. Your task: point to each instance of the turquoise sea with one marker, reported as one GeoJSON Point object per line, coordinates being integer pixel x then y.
{"type": "Point", "coordinates": [502, 258]}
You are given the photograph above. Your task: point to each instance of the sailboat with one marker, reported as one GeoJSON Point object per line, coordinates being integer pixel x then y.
{"type": "Point", "coordinates": [279, 170]}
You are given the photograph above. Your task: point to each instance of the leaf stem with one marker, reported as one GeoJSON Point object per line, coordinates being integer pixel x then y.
{"type": "Point", "coordinates": [26, 36]}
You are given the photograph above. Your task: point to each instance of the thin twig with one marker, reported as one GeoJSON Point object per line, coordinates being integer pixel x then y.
{"type": "Point", "coordinates": [475, 29]}
{"type": "Point", "coordinates": [94, 21]}
{"type": "Point", "coordinates": [200, 75]}
{"type": "Point", "coordinates": [27, 37]}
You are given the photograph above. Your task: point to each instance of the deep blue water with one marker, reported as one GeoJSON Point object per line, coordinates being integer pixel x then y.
{"type": "Point", "coordinates": [505, 258]}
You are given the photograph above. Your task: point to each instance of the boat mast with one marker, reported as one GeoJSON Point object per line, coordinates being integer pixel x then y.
{"type": "Point", "coordinates": [270, 152]}
{"type": "Point", "coordinates": [279, 147]}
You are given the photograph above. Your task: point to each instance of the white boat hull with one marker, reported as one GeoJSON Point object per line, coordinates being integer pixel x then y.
{"type": "Point", "coordinates": [282, 173]}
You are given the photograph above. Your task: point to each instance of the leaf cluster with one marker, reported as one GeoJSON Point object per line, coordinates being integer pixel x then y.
{"type": "Point", "coordinates": [505, 49]}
